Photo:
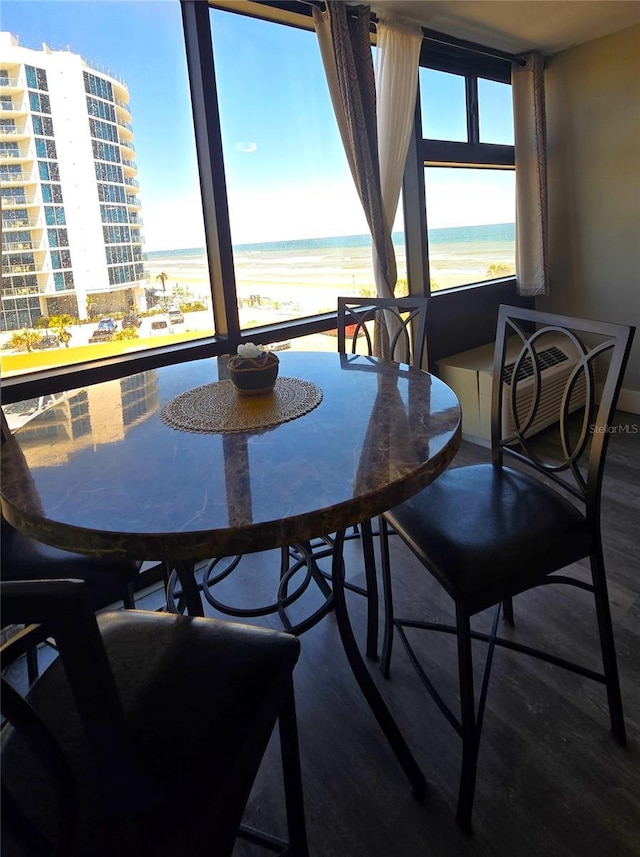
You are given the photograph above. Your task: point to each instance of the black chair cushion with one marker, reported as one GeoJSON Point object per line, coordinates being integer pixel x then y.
{"type": "Point", "coordinates": [486, 533]}
{"type": "Point", "coordinates": [27, 559]}
{"type": "Point", "coordinates": [200, 700]}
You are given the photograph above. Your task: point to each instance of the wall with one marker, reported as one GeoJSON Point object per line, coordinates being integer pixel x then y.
{"type": "Point", "coordinates": [593, 124]}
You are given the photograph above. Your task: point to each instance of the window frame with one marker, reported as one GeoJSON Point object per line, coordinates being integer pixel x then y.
{"type": "Point", "coordinates": [219, 252]}
{"type": "Point", "coordinates": [425, 152]}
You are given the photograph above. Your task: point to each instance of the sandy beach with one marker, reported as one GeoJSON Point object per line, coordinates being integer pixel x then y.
{"type": "Point", "coordinates": [290, 280]}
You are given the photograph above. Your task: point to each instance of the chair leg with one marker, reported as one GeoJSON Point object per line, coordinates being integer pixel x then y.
{"type": "Point", "coordinates": [366, 536]}
{"type": "Point", "coordinates": [507, 611]}
{"type": "Point", "coordinates": [32, 664]}
{"type": "Point", "coordinates": [603, 612]}
{"type": "Point", "coordinates": [467, 720]}
{"type": "Point", "coordinates": [387, 595]}
{"type": "Point", "coordinates": [292, 777]}
{"type": "Point", "coordinates": [129, 599]}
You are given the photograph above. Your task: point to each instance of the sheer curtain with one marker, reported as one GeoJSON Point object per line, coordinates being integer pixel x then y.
{"type": "Point", "coordinates": [346, 54]}
{"type": "Point", "coordinates": [375, 140]}
{"type": "Point", "coordinates": [396, 74]}
{"type": "Point", "coordinates": [527, 83]}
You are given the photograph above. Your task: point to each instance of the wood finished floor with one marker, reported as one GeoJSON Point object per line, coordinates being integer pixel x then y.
{"type": "Point", "coordinates": [551, 779]}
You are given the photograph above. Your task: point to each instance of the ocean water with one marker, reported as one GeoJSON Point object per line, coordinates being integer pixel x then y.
{"type": "Point", "coordinates": [488, 234]}
{"type": "Point", "coordinates": [338, 264]}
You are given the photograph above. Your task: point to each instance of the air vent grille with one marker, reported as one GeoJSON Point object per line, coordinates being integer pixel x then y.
{"type": "Point", "coordinates": [548, 357]}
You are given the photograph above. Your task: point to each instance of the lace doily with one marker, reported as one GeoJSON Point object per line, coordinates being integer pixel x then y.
{"type": "Point", "coordinates": [217, 407]}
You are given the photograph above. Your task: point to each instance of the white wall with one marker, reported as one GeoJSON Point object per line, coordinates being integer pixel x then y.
{"type": "Point", "coordinates": [593, 120]}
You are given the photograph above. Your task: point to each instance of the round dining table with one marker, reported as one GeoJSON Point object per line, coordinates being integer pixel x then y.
{"type": "Point", "coordinates": [105, 471]}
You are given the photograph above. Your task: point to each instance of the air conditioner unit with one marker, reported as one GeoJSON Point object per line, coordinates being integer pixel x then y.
{"type": "Point", "coordinates": [470, 376]}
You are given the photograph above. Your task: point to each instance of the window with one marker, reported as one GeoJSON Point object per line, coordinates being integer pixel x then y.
{"type": "Point", "coordinates": [57, 238]}
{"type": "Point", "coordinates": [476, 251]}
{"type": "Point", "coordinates": [101, 109]}
{"type": "Point", "coordinates": [469, 176]}
{"type": "Point", "coordinates": [10, 172]}
{"type": "Point", "coordinates": [105, 152]}
{"type": "Point", "coordinates": [16, 240]}
{"type": "Point", "coordinates": [36, 78]}
{"type": "Point", "coordinates": [111, 193]}
{"type": "Point", "coordinates": [13, 195]}
{"type": "Point", "coordinates": [299, 235]}
{"type": "Point", "coordinates": [442, 105]}
{"type": "Point", "coordinates": [9, 150]}
{"type": "Point", "coordinates": [61, 259]}
{"type": "Point", "coordinates": [103, 130]}
{"type": "Point", "coordinates": [114, 214]}
{"type": "Point", "coordinates": [16, 217]}
{"type": "Point", "coordinates": [39, 102]}
{"type": "Point", "coordinates": [285, 229]}
{"type": "Point", "coordinates": [98, 86]}
{"type": "Point", "coordinates": [43, 126]}
{"type": "Point", "coordinates": [62, 280]}
{"type": "Point", "coordinates": [46, 148]}
{"type": "Point", "coordinates": [54, 215]}
{"type": "Point", "coordinates": [495, 110]}
{"type": "Point", "coordinates": [52, 193]}
{"type": "Point", "coordinates": [48, 172]}
{"type": "Point", "coordinates": [109, 172]}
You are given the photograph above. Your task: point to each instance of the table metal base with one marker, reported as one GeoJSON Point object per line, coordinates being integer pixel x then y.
{"type": "Point", "coordinates": [336, 600]}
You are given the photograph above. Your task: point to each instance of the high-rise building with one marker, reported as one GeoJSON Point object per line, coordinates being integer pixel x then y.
{"type": "Point", "coordinates": [71, 237]}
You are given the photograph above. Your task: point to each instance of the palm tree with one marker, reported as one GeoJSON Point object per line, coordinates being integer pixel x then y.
{"type": "Point", "coordinates": [163, 279]}
{"type": "Point", "coordinates": [60, 323]}
{"type": "Point", "coordinates": [24, 339]}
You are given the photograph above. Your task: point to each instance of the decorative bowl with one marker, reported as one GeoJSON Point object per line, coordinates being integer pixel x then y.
{"type": "Point", "coordinates": [254, 376]}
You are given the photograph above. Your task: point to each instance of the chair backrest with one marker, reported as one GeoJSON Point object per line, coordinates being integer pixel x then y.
{"type": "Point", "coordinates": [405, 320]}
{"type": "Point", "coordinates": [62, 609]}
{"type": "Point", "coordinates": [561, 372]}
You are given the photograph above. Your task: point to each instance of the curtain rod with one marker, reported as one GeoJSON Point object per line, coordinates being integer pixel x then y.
{"type": "Point", "coordinates": [437, 37]}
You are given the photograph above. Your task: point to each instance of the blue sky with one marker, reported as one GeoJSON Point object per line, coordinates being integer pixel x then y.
{"type": "Point", "coordinates": [286, 171]}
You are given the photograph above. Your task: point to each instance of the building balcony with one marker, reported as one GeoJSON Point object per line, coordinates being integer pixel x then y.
{"type": "Point", "coordinates": [122, 109]}
{"type": "Point", "coordinates": [21, 178]}
{"type": "Point", "coordinates": [130, 165]}
{"type": "Point", "coordinates": [134, 202]}
{"type": "Point", "coordinates": [14, 133]}
{"type": "Point", "coordinates": [127, 151]}
{"type": "Point", "coordinates": [21, 222]}
{"type": "Point", "coordinates": [20, 154]}
{"type": "Point", "coordinates": [20, 201]}
{"type": "Point", "coordinates": [10, 108]}
{"type": "Point", "coordinates": [11, 180]}
{"type": "Point", "coordinates": [9, 246]}
{"type": "Point", "coordinates": [24, 292]}
{"type": "Point", "coordinates": [10, 83]}
{"type": "Point", "coordinates": [13, 270]}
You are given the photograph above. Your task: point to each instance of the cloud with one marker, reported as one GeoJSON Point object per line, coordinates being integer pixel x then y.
{"type": "Point", "coordinates": [245, 147]}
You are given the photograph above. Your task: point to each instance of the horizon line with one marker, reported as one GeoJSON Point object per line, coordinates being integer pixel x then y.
{"type": "Point", "coordinates": [246, 244]}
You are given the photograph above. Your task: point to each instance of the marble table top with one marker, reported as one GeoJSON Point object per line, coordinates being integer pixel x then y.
{"type": "Point", "coordinates": [100, 473]}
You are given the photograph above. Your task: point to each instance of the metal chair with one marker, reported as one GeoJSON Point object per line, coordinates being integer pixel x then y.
{"type": "Point", "coordinates": [395, 327]}
{"type": "Point", "coordinates": [109, 581]}
{"type": "Point", "coordinates": [490, 532]}
{"type": "Point", "coordinates": [403, 319]}
{"type": "Point", "coordinates": [145, 736]}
